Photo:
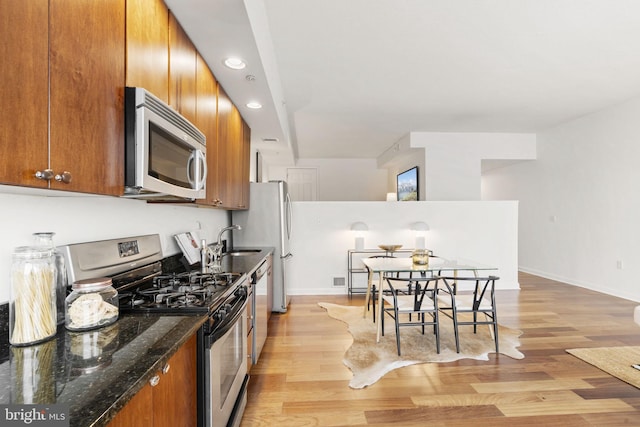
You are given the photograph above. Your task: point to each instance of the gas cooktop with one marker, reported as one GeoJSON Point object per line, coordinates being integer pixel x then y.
{"type": "Point", "coordinates": [145, 281]}
{"type": "Point", "coordinates": [183, 292]}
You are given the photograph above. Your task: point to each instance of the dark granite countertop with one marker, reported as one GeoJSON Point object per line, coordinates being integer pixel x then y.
{"type": "Point", "coordinates": [97, 372]}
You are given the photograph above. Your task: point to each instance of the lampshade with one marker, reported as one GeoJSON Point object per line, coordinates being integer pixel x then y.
{"type": "Point", "coordinates": [421, 229]}
{"type": "Point", "coordinates": [359, 226]}
{"type": "Point", "coordinates": [419, 226]}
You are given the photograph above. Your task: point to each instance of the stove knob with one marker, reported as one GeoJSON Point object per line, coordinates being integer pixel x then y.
{"type": "Point", "coordinates": [220, 314]}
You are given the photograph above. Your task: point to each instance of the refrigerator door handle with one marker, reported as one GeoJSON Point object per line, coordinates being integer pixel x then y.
{"type": "Point", "coordinates": [289, 215]}
{"type": "Point", "coordinates": [287, 256]}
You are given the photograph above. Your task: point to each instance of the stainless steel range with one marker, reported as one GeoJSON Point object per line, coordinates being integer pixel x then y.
{"type": "Point", "coordinates": [149, 284]}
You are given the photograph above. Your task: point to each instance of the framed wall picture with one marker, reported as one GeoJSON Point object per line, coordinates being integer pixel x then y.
{"type": "Point", "coordinates": [407, 185]}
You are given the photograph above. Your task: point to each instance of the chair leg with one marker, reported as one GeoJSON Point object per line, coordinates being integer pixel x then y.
{"type": "Point", "coordinates": [475, 322]}
{"type": "Point", "coordinates": [373, 299]}
{"type": "Point", "coordinates": [436, 330]}
{"type": "Point", "coordinates": [381, 320]}
{"type": "Point", "coordinates": [455, 329]}
{"type": "Point", "coordinates": [495, 331]}
{"type": "Point", "coordinates": [397, 320]}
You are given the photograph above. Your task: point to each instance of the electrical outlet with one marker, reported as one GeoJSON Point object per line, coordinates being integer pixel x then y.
{"type": "Point", "coordinates": [619, 264]}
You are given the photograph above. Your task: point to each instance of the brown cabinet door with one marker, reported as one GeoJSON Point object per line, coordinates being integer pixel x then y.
{"type": "Point", "coordinates": [147, 46]}
{"type": "Point", "coordinates": [245, 164]}
{"type": "Point", "coordinates": [174, 398]}
{"type": "Point", "coordinates": [86, 59]}
{"type": "Point", "coordinates": [172, 401]}
{"type": "Point", "coordinates": [182, 71]}
{"type": "Point", "coordinates": [225, 185]}
{"type": "Point", "coordinates": [206, 110]}
{"type": "Point", "coordinates": [138, 412]}
{"type": "Point", "coordinates": [230, 167]}
{"type": "Point", "coordinates": [24, 91]}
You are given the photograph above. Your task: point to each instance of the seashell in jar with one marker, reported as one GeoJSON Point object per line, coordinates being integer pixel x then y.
{"type": "Point", "coordinates": [90, 310]}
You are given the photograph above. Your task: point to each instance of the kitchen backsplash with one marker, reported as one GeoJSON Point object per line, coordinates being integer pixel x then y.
{"type": "Point", "coordinates": [77, 219]}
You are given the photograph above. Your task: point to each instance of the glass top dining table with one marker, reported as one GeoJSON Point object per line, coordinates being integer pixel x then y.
{"type": "Point", "coordinates": [437, 266]}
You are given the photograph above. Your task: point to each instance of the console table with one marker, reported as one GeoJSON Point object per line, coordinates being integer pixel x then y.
{"type": "Point", "coordinates": [355, 266]}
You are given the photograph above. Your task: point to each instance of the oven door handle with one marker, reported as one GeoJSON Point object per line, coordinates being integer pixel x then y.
{"type": "Point", "coordinates": [227, 324]}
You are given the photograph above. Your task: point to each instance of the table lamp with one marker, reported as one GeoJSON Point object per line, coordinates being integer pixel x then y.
{"type": "Point", "coordinates": [421, 229]}
{"type": "Point", "coordinates": [359, 228]}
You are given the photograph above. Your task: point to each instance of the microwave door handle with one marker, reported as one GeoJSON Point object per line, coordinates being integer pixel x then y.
{"type": "Point", "coordinates": [203, 161]}
{"type": "Point", "coordinates": [189, 162]}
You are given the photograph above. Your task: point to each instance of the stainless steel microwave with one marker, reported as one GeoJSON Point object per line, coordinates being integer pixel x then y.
{"type": "Point", "coordinates": [165, 154]}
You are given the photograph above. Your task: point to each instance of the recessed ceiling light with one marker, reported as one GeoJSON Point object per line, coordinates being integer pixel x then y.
{"type": "Point", "coordinates": [254, 105]}
{"type": "Point", "coordinates": [235, 63]}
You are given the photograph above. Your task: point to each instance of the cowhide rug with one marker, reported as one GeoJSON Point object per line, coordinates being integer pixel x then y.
{"type": "Point", "coordinates": [370, 361]}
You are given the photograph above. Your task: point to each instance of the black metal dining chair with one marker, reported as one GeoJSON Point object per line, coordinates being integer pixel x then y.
{"type": "Point", "coordinates": [372, 285]}
{"type": "Point", "coordinates": [460, 296]}
{"type": "Point", "coordinates": [417, 308]}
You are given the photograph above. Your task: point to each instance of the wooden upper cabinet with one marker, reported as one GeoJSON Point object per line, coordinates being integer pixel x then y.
{"type": "Point", "coordinates": [25, 86]}
{"type": "Point", "coordinates": [86, 94]}
{"type": "Point", "coordinates": [62, 103]}
{"type": "Point", "coordinates": [206, 111]}
{"type": "Point", "coordinates": [147, 46]}
{"type": "Point", "coordinates": [182, 71]}
{"type": "Point", "coordinates": [245, 160]}
{"type": "Point", "coordinates": [229, 143]}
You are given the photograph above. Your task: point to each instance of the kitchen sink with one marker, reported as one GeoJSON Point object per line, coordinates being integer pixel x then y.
{"type": "Point", "coordinates": [241, 252]}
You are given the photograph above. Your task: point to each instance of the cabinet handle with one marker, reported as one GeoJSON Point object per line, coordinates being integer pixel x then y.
{"type": "Point", "coordinates": [165, 368]}
{"type": "Point", "coordinates": [46, 174]}
{"type": "Point", "coordinates": [63, 177]}
{"type": "Point", "coordinates": [154, 380]}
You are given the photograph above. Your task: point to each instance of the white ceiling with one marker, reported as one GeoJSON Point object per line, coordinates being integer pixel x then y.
{"type": "Point", "coordinates": [348, 78]}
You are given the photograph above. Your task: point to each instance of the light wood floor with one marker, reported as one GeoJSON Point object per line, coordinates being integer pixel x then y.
{"type": "Point", "coordinates": [300, 379]}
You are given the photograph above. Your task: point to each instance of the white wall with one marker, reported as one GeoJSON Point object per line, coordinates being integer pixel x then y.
{"type": "Point", "coordinates": [343, 179]}
{"type": "Point", "coordinates": [485, 232]}
{"type": "Point", "coordinates": [580, 202]}
{"type": "Point", "coordinates": [87, 218]}
{"type": "Point", "coordinates": [453, 160]}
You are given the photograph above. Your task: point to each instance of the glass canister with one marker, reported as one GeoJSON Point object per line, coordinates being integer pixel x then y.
{"type": "Point", "coordinates": [32, 309]}
{"type": "Point", "coordinates": [92, 303]}
{"type": "Point", "coordinates": [421, 257]}
{"type": "Point", "coordinates": [46, 239]}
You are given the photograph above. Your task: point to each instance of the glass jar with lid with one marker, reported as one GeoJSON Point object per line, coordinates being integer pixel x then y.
{"type": "Point", "coordinates": [32, 308]}
{"type": "Point", "coordinates": [45, 239]}
{"type": "Point", "coordinates": [420, 257]}
{"type": "Point", "coordinates": [92, 303]}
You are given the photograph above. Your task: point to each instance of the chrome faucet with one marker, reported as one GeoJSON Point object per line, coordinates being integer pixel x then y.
{"type": "Point", "coordinates": [217, 248]}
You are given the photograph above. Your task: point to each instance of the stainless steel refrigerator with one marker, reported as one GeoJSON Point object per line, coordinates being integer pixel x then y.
{"type": "Point", "coordinates": [268, 222]}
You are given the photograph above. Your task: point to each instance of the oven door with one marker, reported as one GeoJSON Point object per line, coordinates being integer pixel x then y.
{"type": "Point", "coordinates": [226, 373]}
